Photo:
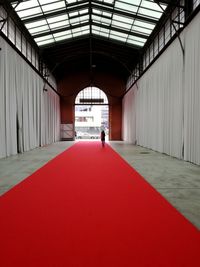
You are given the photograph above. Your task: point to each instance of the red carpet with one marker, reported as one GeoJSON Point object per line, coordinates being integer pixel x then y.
{"type": "Point", "coordinates": [89, 208]}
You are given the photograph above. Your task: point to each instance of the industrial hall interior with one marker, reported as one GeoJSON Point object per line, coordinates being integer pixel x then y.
{"type": "Point", "coordinates": [100, 133]}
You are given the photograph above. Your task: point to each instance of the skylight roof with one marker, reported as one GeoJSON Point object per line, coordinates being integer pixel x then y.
{"type": "Point", "coordinates": [127, 21]}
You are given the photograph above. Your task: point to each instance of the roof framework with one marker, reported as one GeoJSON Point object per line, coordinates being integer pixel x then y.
{"type": "Point", "coordinates": [92, 35]}
{"type": "Point", "coordinates": [129, 22]}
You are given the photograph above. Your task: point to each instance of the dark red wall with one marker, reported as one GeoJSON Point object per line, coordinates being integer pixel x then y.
{"type": "Point", "coordinates": [70, 85]}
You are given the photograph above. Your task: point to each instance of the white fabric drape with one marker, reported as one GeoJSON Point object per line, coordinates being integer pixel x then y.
{"type": "Point", "coordinates": [159, 105]}
{"type": "Point", "coordinates": [22, 110]}
{"type": "Point", "coordinates": [50, 120]}
{"type": "Point", "coordinates": [168, 101]}
{"type": "Point", "coordinates": [192, 92]}
{"type": "Point", "coordinates": [129, 116]}
{"type": "Point", "coordinates": [8, 107]}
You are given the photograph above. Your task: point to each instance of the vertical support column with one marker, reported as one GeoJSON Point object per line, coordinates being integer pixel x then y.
{"type": "Point", "coordinates": [141, 65]}
{"type": "Point", "coordinates": [188, 8]}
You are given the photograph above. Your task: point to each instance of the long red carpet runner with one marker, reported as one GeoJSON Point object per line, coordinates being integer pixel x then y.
{"type": "Point", "coordinates": [89, 208]}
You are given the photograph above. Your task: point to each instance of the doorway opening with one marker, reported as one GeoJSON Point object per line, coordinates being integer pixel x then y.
{"type": "Point", "coordinates": [91, 114]}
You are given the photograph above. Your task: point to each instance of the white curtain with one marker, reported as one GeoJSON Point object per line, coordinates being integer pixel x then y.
{"type": "Point", "coordinates": [129, 116]}
{"type": "Point", "coordinates": [192, 92]}
{"type": "Point", "coordinates": [24, 106]}
{"type": "Point", "coordinates": [159, 105]}
{"type": "Point", "coordinates": [8, 107]}
{"type": "Point", "coordinates": [50, 119]}
{"type": "Point", "coordinates": [168, 101]}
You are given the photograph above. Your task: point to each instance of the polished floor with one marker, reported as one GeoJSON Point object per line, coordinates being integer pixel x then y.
{"type": "Point", "coordinates": [178, 181]}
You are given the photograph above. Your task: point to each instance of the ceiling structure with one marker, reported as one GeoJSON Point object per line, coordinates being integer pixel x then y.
{"type": "Point", "coordinates": [127, 21]}
{"type": "Point", "coordinates": [91, 34]}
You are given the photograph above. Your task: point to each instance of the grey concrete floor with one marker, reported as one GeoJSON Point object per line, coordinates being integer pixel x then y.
{"type": "Point", "coordinates": [178, 181]}
{"type": "Point", "coordinates": [16, 168]}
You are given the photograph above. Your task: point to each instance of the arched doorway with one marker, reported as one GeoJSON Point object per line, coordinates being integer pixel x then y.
{"type": "Point", "coordinates": [91, 113]}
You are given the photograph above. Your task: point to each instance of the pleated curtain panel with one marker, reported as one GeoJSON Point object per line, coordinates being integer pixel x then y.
{"type": "Point", "coordinates": [29, 116]}
{"type": "Point", "coordinates": [161, 111]}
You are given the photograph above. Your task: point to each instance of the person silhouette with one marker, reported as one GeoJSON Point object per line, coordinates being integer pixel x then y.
{"type": "Point", "coordinates": [103, 138]}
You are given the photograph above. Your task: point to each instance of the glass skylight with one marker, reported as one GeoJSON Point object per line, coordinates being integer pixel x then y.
{"type": "Point", "coordinates": [127, 21]}
{"type": "Point", "coordinates": [126, 7]}
{"type": "Point", "coordinates": [57, 18]}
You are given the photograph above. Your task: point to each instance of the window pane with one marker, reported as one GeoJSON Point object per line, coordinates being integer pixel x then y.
{"type": "Point", "coordinates": [39, 29]}
{"type": "Point", "coordinates": [45, 42]}
{"type": "Point", "coordinates": [54, 6]}
{"type": "Point", "coordinates": [35, 24]}
{"type": "Point", "coordinates": [58, 24]}
{"type": "Point", "coordinates": [30, 12]}
{"type": "Point", "coordinates": [57, 18]}
{"type": "Point", "coordinates": [58, 34]}
{"type": "Point", "coordinates": [126, 7]}
{"type": "Point", "coordinates": [149, 13]}
{"type": "Point", "coordinates": [27, 5]}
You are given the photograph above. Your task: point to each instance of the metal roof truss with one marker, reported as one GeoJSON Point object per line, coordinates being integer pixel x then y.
{"type": "Point", "coordinates": [130, 22]}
